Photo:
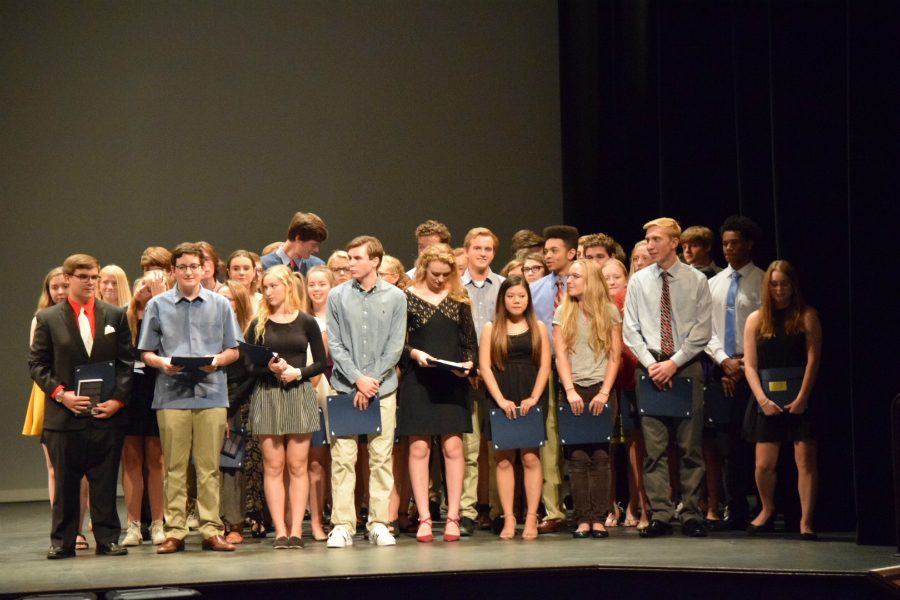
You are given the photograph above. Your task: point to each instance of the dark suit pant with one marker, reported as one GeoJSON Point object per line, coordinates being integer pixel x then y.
{"type": "Point", "coordinates": [95, 452]}
{"type": "Point", "coordinates": [688, 435]}
{"type": "Point", "coordinates": [739, 458]}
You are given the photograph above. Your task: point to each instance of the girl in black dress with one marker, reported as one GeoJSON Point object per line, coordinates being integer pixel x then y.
{"type": "Point", "coordinates": [435, 401]}
{"type": "Point", "coordinates": [514, 361]}
{"type": "Point", "coordinates": [783, 333]}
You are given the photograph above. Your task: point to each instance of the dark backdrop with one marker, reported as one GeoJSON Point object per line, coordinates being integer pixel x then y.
{"type": "Point", "coordinates": [785, 112]}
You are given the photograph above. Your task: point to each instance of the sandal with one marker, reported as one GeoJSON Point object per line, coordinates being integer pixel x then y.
{"type": "Point", "coordinates": [81, 542]}
{"type": "Point", "coordinates": [527, 532]}
{"type": "Point", "coordinates": [257, 529]}
{"type": "Point", "coordinates": [507, 534]}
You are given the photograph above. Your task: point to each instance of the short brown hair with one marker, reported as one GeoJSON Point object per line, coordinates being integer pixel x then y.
{"type": "Point", "coordinates": [525, 238]}
{"type": "Point", "coordinates": [479, 231]}
{"type": "Point", "coordinates": [307, 226]}
{"type": "Point", "coordinates": [373, 246]}
{"type": "Point", "coordinates": [189, 248]}
{"type": "Point", "coordinates": [599, 239]}
{"type": "Point", "coordinates": [432, 227]}
{"type": "Point", "coordinates": [156, 257]}
{"type": "Point", "coordinates": [79, 261]}
{"type": "Point", "coordinates": [698, 233]}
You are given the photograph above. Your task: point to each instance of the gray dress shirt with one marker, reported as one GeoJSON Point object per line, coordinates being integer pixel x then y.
{"type": "Point", "coordinates": [484, 298]}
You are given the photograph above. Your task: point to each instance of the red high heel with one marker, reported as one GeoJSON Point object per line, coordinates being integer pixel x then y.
{"type": "Point", "coordinates": [425, 538]}
{"type": "Point", "coordinates": [451, 537]}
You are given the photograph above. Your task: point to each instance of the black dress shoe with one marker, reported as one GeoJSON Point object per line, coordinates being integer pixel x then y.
{"type": "Point", "coordinates": [767, 527]}
{"type": "Point", "coordinates": [113, 549]}
{"type": "Point", "coordinates": [656, 529]}
{"type": "Point", "coordinates": [581, 535]}
{"type": "Point", "coordinates": [693, 528]}
{"type": "Point", "coordinates": [56, 552]}
{"type": "Point", "coordinates": [599, 534]}
{"type": "Point", "coordinates": [466, 527]}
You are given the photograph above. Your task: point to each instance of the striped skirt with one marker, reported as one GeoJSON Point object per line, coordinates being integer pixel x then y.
{"type": "Point", "coordinates": [277, 410]}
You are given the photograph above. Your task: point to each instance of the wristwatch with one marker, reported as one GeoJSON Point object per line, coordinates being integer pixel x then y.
{"type": "Point", "coordinates": [59, 396]}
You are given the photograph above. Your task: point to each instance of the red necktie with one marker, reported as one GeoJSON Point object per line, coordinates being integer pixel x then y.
{"type": "Point", "coordinates": [666, 341]}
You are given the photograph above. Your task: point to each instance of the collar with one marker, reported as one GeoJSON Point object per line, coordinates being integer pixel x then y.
{"type": "Point", "coordinates": [76, 307]}
{"type": "Point", "coordinates": [744, 271]}
{"type": "Point", "coordinates": [489, 278]}
{"type": "Point", "coordinates": [673, 271]}
{"type": "Point", "coordinates": [379, 283]}
{"type": "Point", "coordinates": [180, 297]}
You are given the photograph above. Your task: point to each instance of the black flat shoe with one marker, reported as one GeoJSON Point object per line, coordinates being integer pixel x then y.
{"type": "Point", "coordinates": [693, 528]}
{"type": "Point", "coordinates": [58, 552]}
{"type": "Point", "coordinates": [113, 549]}
{"type": "Point", "coordinates": [581, 535]}
{"type": "Point", "coordinates": [599, 534]}
{"type": "Point", "coordinates": [656, 529]}
{"type": "Point", "coordinates": [767, 527]}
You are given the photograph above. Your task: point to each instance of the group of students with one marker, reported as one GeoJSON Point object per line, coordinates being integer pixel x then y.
{"type": "Point", "coordinates": [565, 321]}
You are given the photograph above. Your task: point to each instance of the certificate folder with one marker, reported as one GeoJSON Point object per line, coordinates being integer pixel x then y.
{"type": "Point", "coordinates": [345, 419]}
{"type": "Point", "coordinates": [191, 363]}
{"type": "Point", "coordinates": [522, 432]}
{"type": "Point", "coordinates": [232, 453]}
{"type": "Point", "coordinates": [320, 437]}
{"type": "Point", "coordinates": [448, 365]}
{"type": "Point", "coordinates": [781, 386]}
{"type": "Point", "coordinates": [585, 428]}
{"type": "Point", "coordinates": [97, 380]}
{"type": "Point", "coordinates": [675, 401]}
{"type": "Point", "coordinates": [717, 408]}
{"type": "Point", "coordinates": [258, 355]}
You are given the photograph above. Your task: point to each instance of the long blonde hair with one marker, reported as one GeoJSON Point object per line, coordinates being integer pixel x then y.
{"type": "Point", "coordinates": [444, 254]}
{"type": "Point", "coordinates": [594, 304]}
{"type": "Point", "coordinates": [122, 286]}
{"type": "Point", "coordinates": [292, 298]}
{"type": "Point", "coordinates": [45, 298]}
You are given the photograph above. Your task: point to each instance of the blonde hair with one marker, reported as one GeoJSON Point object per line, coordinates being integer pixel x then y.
{"type": "Point", "coordinates": [329, 277]}
{"type": "Point", "coordinates": [638, 244]}
{"type": "Point", "coordinates": [122, 285]}
{"type": "Point", "coordinates": [393, 264]}
{"type": "Point", "coordinates": [615, 262]}
{"type": "Point", "coordinates": [672, 227]}
{"type": "Point", "coordinates": [292, 298]}
{"type": "Point", "coordinates": [479, 231]}
{"type": "Point", "coordinates": [594, 304]}
{"type": "Point", "coordinates": [443, 254]}
{"type": "Point", "coordinates": [45, 299]}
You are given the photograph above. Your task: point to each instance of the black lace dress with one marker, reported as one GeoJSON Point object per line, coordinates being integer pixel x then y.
{"type": "Point", "coordinates": [433, 401]}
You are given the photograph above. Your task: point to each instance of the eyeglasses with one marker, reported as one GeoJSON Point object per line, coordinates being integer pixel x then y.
{"type": "Point", "coordinates": [85, 278]}
{"type": "Point", "coordinates": [534, 269]}
{"type": "Point", "coordinates": [340, 270]}
{"type": "Point", "coordinates": [193, 267]}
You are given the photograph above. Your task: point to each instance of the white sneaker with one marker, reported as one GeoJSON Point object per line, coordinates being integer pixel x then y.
{"type": "Point", "coordinates": [133, 535]}
{"type": "Point", "coordinates": [379, 535]}
{"type": "Point", "coordinates": [157, 533]}
{"type": "Point", "coordinates": [339, 537]}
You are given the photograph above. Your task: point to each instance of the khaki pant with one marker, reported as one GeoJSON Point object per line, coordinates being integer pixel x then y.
{"type": "Point", "coordinates": [471, 445]}
{"type": "Point", "coordinates": [381, 474]}
{"type": "Point", "coordinates": [550, 461]}
{"type": "Point", "coordinates": [179, 430]}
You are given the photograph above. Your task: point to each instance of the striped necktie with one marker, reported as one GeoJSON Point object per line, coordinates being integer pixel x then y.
{"type": "Point", "coordinates": [666, 341]}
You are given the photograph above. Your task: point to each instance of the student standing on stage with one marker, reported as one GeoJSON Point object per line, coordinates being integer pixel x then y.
{"type": "Point", "coordinates": [547, 294]}
{"type": "Point", "coordinates": [77, 332]}
{"type": "Point", "coordinates": [667, 325]}
{"type": "Point", "coordinates": [483, 285]}
{"type": "Point", "coordinates": [366, 327]}
{"type": "Point", "coordinates": [305, 234]}
{"type": "Point", "coordinates": [191, 405]}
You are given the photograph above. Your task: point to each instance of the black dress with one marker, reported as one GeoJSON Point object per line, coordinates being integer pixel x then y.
{"type": "Point", "coordinates": [516, 381]}
{"type": "Point", "coordinates": [141, 417]}
{"type": "Point", "coordinates": [433, 401]}
{"type": "Point", "coordinates": [783, 350]}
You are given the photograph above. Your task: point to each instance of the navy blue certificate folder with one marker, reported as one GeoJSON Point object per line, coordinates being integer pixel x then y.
{"type": "Point", "coordinates": [191, 363]}
{"type": "Point", "coordinates": [344, 419]}
{"type": "Point", "coordinates": [105, 372]}
{"type": "Point", "coordinates": [781, 386]}
{"type": "Point", "coordinates": [522, 432]}
{"type": "Point", "coordinates": [585, 428]}
{"type": "Point", "coordinates": [717, 408]}
{"type": "Point", "coordinates": [669, 402]}
{"type": "Point", "coordinates": [258, 355]}
{"type": "Point", "coordinates": [319, 438]}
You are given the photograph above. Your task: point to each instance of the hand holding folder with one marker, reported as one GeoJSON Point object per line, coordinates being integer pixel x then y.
{"type": "Point", "coordinates": [523, 431]}
{"type": "Point", "coordinates": [97, 381]}
{"type": "Point", "coordinates": [345, 419]}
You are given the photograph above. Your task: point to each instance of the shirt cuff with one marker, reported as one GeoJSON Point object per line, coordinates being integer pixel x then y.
{"type": "Point", "coordinates": [59, 389]}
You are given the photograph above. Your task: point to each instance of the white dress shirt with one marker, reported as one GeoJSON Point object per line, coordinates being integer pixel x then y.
{"type": "Point", "coordinates": [748, 299]}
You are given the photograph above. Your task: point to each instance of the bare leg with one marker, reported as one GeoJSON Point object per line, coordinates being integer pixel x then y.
{"type": "Point", "coordinates": [806, 456]}
{"type": "Point", "coordinates": [506, 484]}
{"type": "Point", "coordinates": [454, 468]}
{"type": "Point", "coordinates": [297, 455]}
{"type": "Point", "coordinates": [534, 480]}
{"type": "Point", "coordinates": [133, 476]}
{"type": "Point", "coordinates": [766, 460]}
{"type": "Point", "coordinates": [317, 474]}
{"type": "Point", "coordinates": [51, 474]}
{"type": "Point", "coordinates": [419, 455]}
{"type": "Point", "coordinates": [713, 477]}
{"type": "Point", "coordinates": [637, 493]}
{"type": "Point", "coordinates": [273, 455]}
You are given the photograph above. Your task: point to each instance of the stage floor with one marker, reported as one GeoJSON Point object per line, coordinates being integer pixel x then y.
{"type": "Point", "coordinates": [24, 568]}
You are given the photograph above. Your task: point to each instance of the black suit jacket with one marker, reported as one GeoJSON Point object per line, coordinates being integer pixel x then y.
{"type": "Point", "coordinates": [57, 349]}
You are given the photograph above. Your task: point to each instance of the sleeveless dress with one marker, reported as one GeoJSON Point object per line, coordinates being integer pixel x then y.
{"type": "Point", "coordinates": [516, 381]}
{"type": "Point", "coordinates": [783, 350]}
{"type": "Point", "coordinates": [433, 401]}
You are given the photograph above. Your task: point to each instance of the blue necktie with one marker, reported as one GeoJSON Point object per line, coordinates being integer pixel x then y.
{"type": "Point", "coordinates": [730, 343]}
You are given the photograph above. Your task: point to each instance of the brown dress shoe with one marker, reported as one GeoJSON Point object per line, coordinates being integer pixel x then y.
{"type": "Point", "coordinates": [234, 537]}
{"type": "Point", "coordinates": [550, 526]}
{"type": "Point", "coordinates": [170, 546]}
{"type": "Point", "coordinates": [217, 543]}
